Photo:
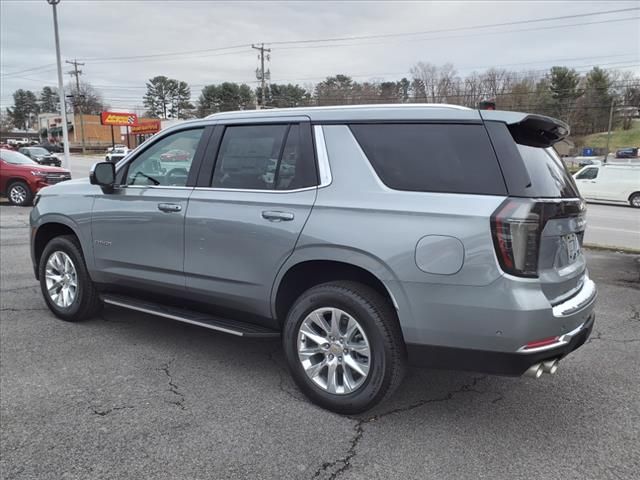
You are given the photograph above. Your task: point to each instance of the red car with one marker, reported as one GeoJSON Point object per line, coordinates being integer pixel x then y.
{"type": "Point", "coordinates": [175, 156]}
{"type": "Point", "coordinates": [21, 177]}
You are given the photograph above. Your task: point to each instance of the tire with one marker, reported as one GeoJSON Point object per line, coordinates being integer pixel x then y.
{"type": "Point", "coordinates": [86, 301]}
{"type": "Point", "coordinates": [634, 200]}
{"type": "Point", "coordinates": [19, 194]}
{"type": "Point", "coordinates": [380, 330]}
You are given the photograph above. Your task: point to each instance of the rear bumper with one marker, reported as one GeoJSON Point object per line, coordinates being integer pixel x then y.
{"type": "Point", "coordinates": [498, 363]}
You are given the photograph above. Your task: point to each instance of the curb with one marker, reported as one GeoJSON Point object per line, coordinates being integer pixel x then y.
{"type": "Point", "coordinates": [611, 248]}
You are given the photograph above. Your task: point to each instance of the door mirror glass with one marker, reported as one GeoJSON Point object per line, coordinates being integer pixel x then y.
{"type": "Point", "coordinates": [103, 174]}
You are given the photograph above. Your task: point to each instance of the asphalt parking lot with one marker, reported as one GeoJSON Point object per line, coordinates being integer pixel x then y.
{"type": "Point", "coordinates": [128, 395]}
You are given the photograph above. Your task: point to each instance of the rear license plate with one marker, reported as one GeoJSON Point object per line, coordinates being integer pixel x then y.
{"type": "Point", "coordinates": [573, 246]}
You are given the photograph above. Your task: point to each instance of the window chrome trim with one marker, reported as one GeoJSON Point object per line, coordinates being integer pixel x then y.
{"type": "Point", "coordinates": [324, 168]}
{"type": "Point", "coordinates": [157, 187]}
{"type": "Point", "coordinates": [254, 190]}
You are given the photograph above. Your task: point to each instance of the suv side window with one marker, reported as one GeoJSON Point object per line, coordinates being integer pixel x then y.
{"type": "Point", "coordinates": [167, 162]}
{"type": "Point", "coordinates": [588, 174]}
{"type": "Point", "coordinates": [263, 157]}
{"type": "Point", "coordinates": [450, 158]}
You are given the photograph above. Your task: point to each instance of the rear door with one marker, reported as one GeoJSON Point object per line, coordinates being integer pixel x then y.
{"type": "Point", "coordinates": [254, 195]}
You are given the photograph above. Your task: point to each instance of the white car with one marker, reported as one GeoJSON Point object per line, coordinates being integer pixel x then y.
{"type": "Point", "coordinates": [116, 153]}
{"type": "Point", "coordinates": [610, 183]}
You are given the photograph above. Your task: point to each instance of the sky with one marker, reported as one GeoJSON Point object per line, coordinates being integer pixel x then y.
{"type": "Point", "coordinates": [189, 40]}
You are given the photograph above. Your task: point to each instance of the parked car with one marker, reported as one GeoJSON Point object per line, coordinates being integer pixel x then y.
{"type": "Point", "coordinates": [51, 147]}
{"type": "Point", "coordinates": [41, 155]}
{"type": "Point", "coordinates": [6, 146]}
{"type": "Point", "coordinates": [436, 235]}
{"type": "Point", "coordinates": [584, 161]}
{"type": "Point", "coordinates": [619, 183]}
{"type": "Point", "coordinates": [629, 152]}
{"type": "Point", "coordinates": [21, 178]}
{"type": "Point", "coordinates": [176, 156]}
{"type": "Point", "coordinates": [116, 146]}
{"type": "Point", "coordinates": [116, 154]}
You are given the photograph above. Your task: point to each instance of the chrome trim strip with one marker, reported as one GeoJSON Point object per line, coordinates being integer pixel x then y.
{"type": "Point", "coordinates": [584, 297]}
{"type": "Point", "coordinates": [324, 168]}
{"type": "Point", "coordinates": [249, 190]}
{"type": "Point", "coordinates": [172, 317]}
{"type": "Point", "coordinates": [157, 187]}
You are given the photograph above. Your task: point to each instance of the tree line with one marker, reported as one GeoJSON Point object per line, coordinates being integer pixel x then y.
{"type": "Point", "coordinates": [583, 100]}
{"type": "Point", "coordinates": [28, 104]}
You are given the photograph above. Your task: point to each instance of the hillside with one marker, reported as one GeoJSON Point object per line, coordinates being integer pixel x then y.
{"type": "Point", "coordinates": [619, 138]}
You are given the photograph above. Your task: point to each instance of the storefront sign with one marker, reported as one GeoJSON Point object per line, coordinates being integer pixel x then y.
{"type": "Point", "coordinates": [146, 127]}
{"type": "Point", "coordinates": [119, 119]}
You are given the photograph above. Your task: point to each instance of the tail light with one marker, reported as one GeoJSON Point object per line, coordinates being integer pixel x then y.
{"type": "Point", "coordinates": [516, 227]}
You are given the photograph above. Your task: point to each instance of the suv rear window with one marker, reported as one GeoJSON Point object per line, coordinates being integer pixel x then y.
{"type": "Point", "coordinates": [449, 158]}
{"type": "Point", "coordinates": [548, 174]}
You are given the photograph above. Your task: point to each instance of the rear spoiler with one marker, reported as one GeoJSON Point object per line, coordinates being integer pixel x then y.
{"type": "Point", "coordinates": [529, 129]}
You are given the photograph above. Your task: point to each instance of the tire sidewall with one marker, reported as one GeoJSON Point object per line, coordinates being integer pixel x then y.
{"type": "Point", "coordinates": [633, 197]}
{"type": "Point", "coordinates": [28, 197]}
{"type": "Point", "coordinates": [373, 386]}
{"type": "Point", "coordinates": [63, 245]}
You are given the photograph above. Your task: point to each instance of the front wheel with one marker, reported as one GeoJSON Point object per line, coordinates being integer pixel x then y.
{"type": "Point", "coordinates": [344, 346]}
{"type": "Point", "coordinates": [65, 283]}
{"type": "Point", "coordinates": [634, 200]}
{"type": "Point", "coordinates": [20, 194]}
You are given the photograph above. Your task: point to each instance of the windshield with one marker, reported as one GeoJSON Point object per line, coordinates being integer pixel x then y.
{"type": "Point", "coordinates": [38, 151]}
{"type": "Point", "coordinates": [16, 158]}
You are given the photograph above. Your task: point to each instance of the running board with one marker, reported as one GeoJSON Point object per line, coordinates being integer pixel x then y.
{"type": "Point", "coordinates": [233, 327]}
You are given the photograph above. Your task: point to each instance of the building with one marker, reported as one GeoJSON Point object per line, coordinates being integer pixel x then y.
{"type": "Point", "coordinates": [96, 135]}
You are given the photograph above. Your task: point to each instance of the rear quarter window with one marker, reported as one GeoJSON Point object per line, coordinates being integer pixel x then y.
{"type": "Point", "coordinates": [450, 158]}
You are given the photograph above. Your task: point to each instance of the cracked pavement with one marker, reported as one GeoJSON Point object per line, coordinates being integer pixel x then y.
{"type": "Point", "coordinates": [127, 395]}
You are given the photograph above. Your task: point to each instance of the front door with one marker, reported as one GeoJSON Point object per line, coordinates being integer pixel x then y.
{"type": "Point", "coordinates": [245, 220]}
{"type": "Point", "coordinates": [587, 182]}
{"type": "Point", "coordinates": [138, 230]}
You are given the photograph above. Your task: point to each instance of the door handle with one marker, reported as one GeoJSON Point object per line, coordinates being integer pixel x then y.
{"type": "Point", "coordinates": [275, 216]}
{"type": "Point", "coordinates": [169, 207]}
{"type": "Point", "coordinates": [592, 181]}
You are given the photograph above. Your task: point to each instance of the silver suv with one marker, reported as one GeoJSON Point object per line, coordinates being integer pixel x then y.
{"type": "Point", "coordinates": [366, 237]}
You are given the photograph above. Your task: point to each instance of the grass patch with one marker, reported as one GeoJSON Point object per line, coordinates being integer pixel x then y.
{"type": "Point", "coordinates": [619, 138]}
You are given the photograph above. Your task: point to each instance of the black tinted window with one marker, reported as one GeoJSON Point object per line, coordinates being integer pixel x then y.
{"type": "Point", "coordinates": [548, 174]}
{"type": "Point", "coordinates": [588, 174]}
{"type": "Point", "coordinates": [263, 157]}
{"type": "Point", "coordinates": [432, 158]}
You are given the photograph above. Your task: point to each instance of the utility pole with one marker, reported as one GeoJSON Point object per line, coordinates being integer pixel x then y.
{"type": "Point", "coordinates": [63, 107]}
{"type": "Point", "coordinates": [76, 103]}
{"type": "Point", "coordinates": [260, 73]}
{"type": "Point", "coordinates": [606, 152]}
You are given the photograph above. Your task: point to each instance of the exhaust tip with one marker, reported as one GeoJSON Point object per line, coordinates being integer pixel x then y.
{"type": "Point", "coordinates": [550, 366]}
{"type": "Point", "coordinates": [534, 371]}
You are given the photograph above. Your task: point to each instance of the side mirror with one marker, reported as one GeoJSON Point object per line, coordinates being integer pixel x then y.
{"type": "Point", "coordinates": [103, 174]}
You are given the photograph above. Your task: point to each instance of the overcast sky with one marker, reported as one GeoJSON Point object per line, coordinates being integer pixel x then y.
{"type": "Point", "coordinates": [96, 31]}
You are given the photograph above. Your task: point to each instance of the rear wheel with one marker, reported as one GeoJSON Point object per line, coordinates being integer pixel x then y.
{"type": "Point", "coordinates": [634, 200]}
{"type": "Point", "coordinates": [65, 283]}
{"type": "Point", "coordinates": [20, 194]}
{"type": "Point", "coordinates": [344, 347]}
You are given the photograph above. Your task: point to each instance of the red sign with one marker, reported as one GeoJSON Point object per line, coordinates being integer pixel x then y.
{"type": "Point", "coordinates": [119, 119]}
{"type": "Point", "coordinates": [149, 126]}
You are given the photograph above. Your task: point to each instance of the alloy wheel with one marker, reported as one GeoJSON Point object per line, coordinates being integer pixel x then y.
{"type": "Point", "coordinates": [334, 351]}
{"type": "Point", "coordinates": [61, 279]}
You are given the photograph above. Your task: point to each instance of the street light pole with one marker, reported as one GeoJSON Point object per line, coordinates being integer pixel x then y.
{"type": "Point", "coordinates": [63, 106]}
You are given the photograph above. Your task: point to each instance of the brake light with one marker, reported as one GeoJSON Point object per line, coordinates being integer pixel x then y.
{"type": "Point", "coordinates": [516, 227]}
{"type": "Point", "coordinates": [541, 343]}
